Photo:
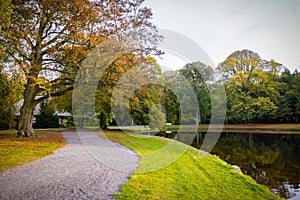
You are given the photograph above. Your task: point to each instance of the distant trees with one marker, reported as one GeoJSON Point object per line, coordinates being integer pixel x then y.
{"type": "Point", "coordinates": [141, 103]}
{"type": "Point", "coordinates": [197, 75]}
{"type": "Point", "coordinates": [130, 72]}
{"type": "Point", "coordinates": [148, 101]}
{"type": "Point", "coordinates": [157, 117]}
{"type": "Point", "coordinates": [257, 90]}
{"type": "Point", "coordinates": [293, 97]}
{"type": "Point", "coordinates": [170, 101]}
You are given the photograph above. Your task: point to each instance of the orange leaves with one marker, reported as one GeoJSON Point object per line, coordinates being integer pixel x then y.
{"type": "Point", "coordinates": [52, 38]}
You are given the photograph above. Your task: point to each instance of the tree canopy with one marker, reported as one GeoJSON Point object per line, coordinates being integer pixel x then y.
{"type": "Point", "coordinates": [254, 90]}
{"type": "Point", "coordinates": [46, 42]}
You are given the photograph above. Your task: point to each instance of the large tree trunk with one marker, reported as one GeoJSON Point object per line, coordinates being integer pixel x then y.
{"type": "Point", "coordinates": [102, 122]}
{"type": "Point", "coordinates": [25, 123]}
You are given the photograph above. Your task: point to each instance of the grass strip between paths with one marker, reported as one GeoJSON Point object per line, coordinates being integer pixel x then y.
{"type": "Point", "coordinates": [192, 176]}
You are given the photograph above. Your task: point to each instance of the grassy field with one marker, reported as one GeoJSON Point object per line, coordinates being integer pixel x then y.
{"type": "Point", "coordinates": [16, 151]}
{"type": "Point", "coordinates": [190, 176]}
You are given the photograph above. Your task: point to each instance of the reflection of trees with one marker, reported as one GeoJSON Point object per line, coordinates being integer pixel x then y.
{"type": "Point", "coordinates": [271, 160]}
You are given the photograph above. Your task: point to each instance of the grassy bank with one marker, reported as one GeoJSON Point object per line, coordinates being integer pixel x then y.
{"type": "Point", "coordinates": [233, 128]}
{"type": "Point", "coordinates": [242, 128]}
{"type": "Point", "coordinates": [189, 176]}
{"type": "Point", "coordinates": [16, 151]}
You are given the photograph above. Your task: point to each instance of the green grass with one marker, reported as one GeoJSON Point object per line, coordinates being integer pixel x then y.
{"type": "Point", "coordinates": [16, 151]}
{"type": "Point", "coordinates": [189, 176]}
{"type": "Point", "coordinates": [238, 128]}
{"type": "Point", "coordinates": [243, 128]}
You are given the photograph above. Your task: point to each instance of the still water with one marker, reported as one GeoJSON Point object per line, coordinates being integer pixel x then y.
{"type": "Point", "coordinates": [272, 160]}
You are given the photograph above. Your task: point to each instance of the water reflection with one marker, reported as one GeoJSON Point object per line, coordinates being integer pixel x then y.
{"type": "Point", "coordinates": [272, 160]}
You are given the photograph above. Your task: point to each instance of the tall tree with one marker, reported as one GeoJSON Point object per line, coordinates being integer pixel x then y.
{"type": "Point", "coordinates": [251, 87]}
{"type": "Point", "coordinates": [199, 75]}
{"type": "Point", "coordinates": [170, 101]}
{"type": "Point", "coordinates": [137, 91]}
{"type": "Point", "coordinates": [195, 76]}
{"type": "Point", "coordinates": [142, 101]}
{"type": "Point", "coordinates": [46, 41]}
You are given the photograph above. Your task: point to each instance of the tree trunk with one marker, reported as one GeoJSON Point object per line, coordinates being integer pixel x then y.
{"type": "Point", "coordinates": [81, 121]}
{"type": "Point", "coordinates": [198, 118]}
{"type": "Point", "coordinates": [102, 122]}
{"type": "Point", "coordinates": [25, 124]}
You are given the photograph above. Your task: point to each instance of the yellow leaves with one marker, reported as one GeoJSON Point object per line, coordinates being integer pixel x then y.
{"type": "Point", "coordinates": [5, 12]}
{"type": "Point", "coordinates": [41, 82]}
{"type": "Point", "coordinates": [96, 39]}
{"type": "Point", "coordinates": [240, 79]}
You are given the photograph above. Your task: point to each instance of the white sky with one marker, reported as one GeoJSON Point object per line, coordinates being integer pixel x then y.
{"type": "Point", "coordinates": [270, 28]}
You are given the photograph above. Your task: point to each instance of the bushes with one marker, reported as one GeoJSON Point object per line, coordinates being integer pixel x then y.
{"type": "Point", "coordinates": [10, 90]}
{"type": "Point", "coordinates": [7, 120]}
{"type": "Point", "coordinates": [46, 120]}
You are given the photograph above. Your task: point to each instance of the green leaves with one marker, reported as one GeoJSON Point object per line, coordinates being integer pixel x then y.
{"type": "Point", "coordinates": [262, 108]}
{"type": "Point", "coordinates": [10, 92]}
{"type": "Point", "coordinates": [5, 13]}
{"type": "Point", "coordinates": [157, 117]}
{"type": "Point", "coordinates": [295, 93]}
{"type": "Point", "coordinates": [253, 92]}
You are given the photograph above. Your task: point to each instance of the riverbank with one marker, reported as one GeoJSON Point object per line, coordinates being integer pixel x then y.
{"type": "Point", "coordinates": [241, 128]}
{"type": "Point", "coordinates": [190, 176]}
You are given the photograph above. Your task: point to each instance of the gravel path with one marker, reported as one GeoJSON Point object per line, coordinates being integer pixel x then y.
{"type": "Point", "coordinates": [88, 167]}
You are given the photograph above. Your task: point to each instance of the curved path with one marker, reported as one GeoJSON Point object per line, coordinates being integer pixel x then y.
{"type": "Point", "coordinates": [95, 170]}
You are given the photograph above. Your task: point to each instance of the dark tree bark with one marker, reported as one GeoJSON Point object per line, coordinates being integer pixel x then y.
{"type": "Point", "coordinates": [102, 122]}
{"type": "Point", "coordinates": [25, 124]}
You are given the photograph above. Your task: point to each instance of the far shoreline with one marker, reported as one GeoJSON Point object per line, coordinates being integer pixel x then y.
{"type": "Point", "coordinates": [241, 128]}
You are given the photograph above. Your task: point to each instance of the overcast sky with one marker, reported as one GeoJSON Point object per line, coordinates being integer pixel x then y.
{"type": "Point", "coordinates": [268, 27]}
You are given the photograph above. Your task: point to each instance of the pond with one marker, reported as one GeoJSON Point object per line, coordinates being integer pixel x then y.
{"type": "Point", "coordinates": [272, 160]}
